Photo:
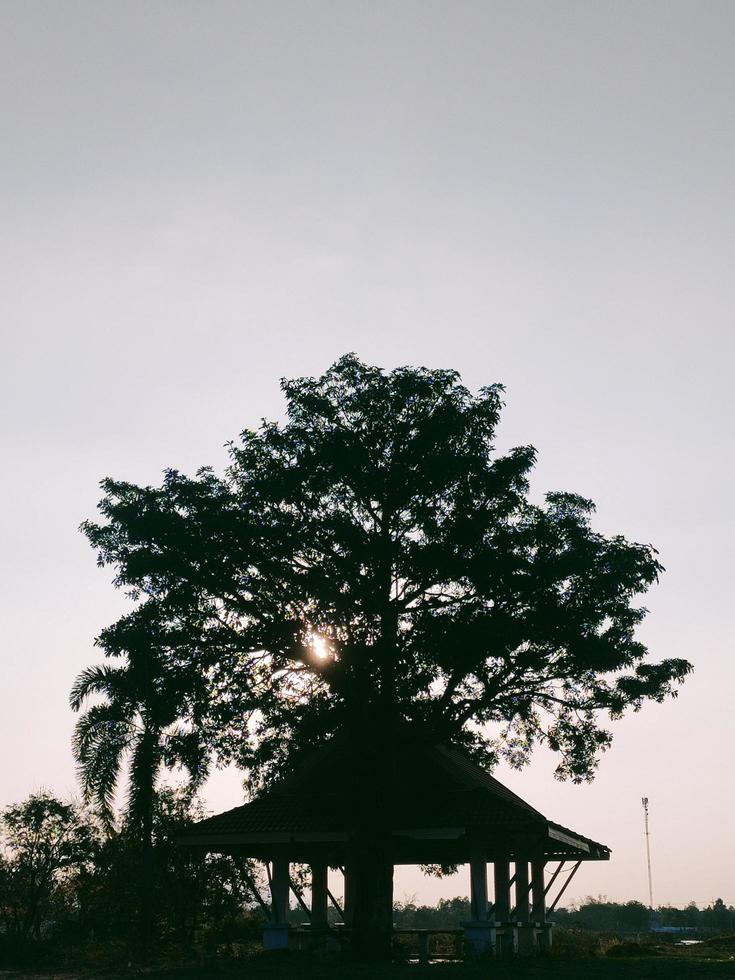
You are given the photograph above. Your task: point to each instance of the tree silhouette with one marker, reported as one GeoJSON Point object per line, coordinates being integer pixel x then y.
{"type": "Point", "coordinates": [46, 842]}
{"type": "Point", "coordinates": [141, 719]}
{"type": "Point", "coordinates": [372, 566]}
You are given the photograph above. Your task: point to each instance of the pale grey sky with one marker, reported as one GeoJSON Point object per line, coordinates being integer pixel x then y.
{"type": "Point", "coordinates": [198, 198]}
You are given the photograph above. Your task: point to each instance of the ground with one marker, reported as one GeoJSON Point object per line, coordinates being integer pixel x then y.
{"type": "Point", "coordinates": [686, 964]}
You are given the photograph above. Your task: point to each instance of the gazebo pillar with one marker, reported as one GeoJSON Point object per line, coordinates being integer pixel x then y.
{"type": "Point", "coordinates": [479, 931]}
{"type": "Point", "coordinates": [319, 897]}
{"type": "Point", "coordinates": [526, 938]}
{"type": "Point", "coordinates": [538, 897]}
{"type": "Point", "coordinates": [501, 909]}
{"type": "Point", "coordinates": [349, 894]}
{"type": "Point", "coordinates": [319, 902]}
{"type": "Point", "coordinates": [275, 932]}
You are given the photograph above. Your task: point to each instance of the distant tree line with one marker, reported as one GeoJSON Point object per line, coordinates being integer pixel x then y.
{"type": "Point", "coordinates": [594, 914]}
{"type": "Point", "coordinates": [601, 915]}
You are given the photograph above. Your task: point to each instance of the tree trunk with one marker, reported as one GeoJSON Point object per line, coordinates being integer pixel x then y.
{"type": "Point", "coordinates": [372, 926]}
{"type": "Point", "coordinates": [146, 801]}
{"type": "Point", "coordinates": [374, 744]}
{"type": "Point", "coordinates": [372, 850]}
{"type": "Point", "coordinates": [146, 881]}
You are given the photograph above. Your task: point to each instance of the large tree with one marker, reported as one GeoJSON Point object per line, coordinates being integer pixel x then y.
{"type": "Point", "coordinates": [371, 564]}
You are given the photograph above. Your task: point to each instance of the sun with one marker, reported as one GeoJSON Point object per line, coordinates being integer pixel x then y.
{"type": "Point", "coordinates": [319, 646]}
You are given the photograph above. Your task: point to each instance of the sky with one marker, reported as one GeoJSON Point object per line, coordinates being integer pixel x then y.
{"type": "Point", "coordinates": [199, 198]}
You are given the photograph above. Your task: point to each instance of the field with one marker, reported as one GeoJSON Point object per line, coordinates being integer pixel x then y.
{"type": "Point", "coordinates": [672, 964]}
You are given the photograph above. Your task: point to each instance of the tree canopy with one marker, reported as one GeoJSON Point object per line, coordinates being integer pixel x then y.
{"type": "Point", "coordinates": [69, 887]}
{"type": "Point", "coordinates": [372, 561]}
{"type": "Point", "coordinates": [45, 846]}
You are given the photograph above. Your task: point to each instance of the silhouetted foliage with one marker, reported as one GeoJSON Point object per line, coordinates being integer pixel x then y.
{"type": "Point", "coordinates": [147, 693]}
{"type": "Point", "coordinates": [601, 915]}
{"type": "Point", "coordinates": [192, 892]}
{"type": "Point", "coordinates": [68, 890]}
{"type": "Point", "coordinates": [142, 698]}
{"type": "Point", "coordinates": [48, 850]}
{"type": "Point", "coordinates": [718, 916]}
{"type": "Point", "coordinates": [65, 883]}
{"type": "Point", "coordinates": [448, 913]}
{"type": "Point", "coordinates": [372, 565]}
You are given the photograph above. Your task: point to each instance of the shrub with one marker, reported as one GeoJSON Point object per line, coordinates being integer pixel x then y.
{"type": "Point", "coordinates": [575, 943]}
{"type": "Point", "coordinates": [726, 941]}
{"type": "Point", "coordinates": [633, 949]}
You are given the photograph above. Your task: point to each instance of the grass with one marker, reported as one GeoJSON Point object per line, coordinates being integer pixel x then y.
{"type": "Point", "coordinates": [671, 964]}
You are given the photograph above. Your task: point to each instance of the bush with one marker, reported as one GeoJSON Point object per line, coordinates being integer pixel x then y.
{"type": "Point", "coordinates": [575, 943]}
{"type": "Point", "coordinates": [633, 949]}
{"type": "Point", "coordinates": [726, 942]}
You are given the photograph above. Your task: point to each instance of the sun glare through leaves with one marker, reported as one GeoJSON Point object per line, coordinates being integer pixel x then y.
{"type": "Point", "coordinates": [319, 646]}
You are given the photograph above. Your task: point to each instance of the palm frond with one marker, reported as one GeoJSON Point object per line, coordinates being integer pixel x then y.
{"type": "Point", "coordinates": [98, 679]}
{"type": "Point", "coordinates": [101, 739]}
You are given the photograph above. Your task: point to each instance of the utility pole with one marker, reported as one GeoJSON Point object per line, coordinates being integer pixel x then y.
{"type": "Point", "coordinates": [644, 801]}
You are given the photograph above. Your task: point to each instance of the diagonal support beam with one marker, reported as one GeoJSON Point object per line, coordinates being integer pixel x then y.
{"type": "Point", "coordinates": [553, 878]}
{"type": "Point", "coordinates": [522, 896]}
{"type": "Point", "coordinates": [337, 906]}
{"type": "Point", "coordinates": [340, 911]}
{"type": "Point", "coordinates": [564, 887]}
{"type": "Point", "coordinates": [298, 894]}
{"type": "Point", "coordinates": [242, 867]}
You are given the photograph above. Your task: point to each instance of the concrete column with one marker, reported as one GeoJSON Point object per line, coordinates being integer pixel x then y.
{"type": "Point", "coordinates": [501, 911]}
{"type": "Point", "coordinates": [522, 893]}
{"type": "Point", "coordinates": [349, 899]}
{"type": "Point", "coordinates": [319, 931]}
{"type": "Point", "coordinates": [538, 886]}
{"type": "Point", "coordinates": [279, 890]}
{"type": "Point", "coordinates": [479, 932]}
{"type": "Point", "coordinates": [501, 876]}
{"type": "Point", "coordinates": [319, 898]}
{"type": "Point", "coordinates": [478, 882]}
{"type": "Point", "coordinates": [538, 910]}
{"type": "Point", "coordinates": [526, 936]}
{"type": "Point", "coordinates": [275, 932]}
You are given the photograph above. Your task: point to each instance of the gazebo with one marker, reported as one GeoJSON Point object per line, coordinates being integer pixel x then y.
{"type": "Point", "coordinates": [447, 810]}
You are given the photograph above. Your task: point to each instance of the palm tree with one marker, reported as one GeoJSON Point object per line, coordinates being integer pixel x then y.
{"type": "Point", "coordinates": [141, 723]}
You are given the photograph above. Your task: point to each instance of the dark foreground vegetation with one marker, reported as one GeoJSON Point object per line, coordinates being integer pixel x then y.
{"type": "Point", "coordinates": [70, 887]}
{"type": "Point", "coordinates": [630, 962]}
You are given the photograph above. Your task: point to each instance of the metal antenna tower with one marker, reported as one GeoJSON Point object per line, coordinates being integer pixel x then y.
{"type": "Point", "coordinates": [644, 801]}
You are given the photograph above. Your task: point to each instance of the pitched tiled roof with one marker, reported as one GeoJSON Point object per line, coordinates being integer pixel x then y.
{"type": "Point", "coordinates": [442, 789]}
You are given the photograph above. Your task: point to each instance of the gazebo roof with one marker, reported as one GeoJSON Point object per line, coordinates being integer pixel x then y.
{"type": "Point", "coordinates": [444, 801]}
